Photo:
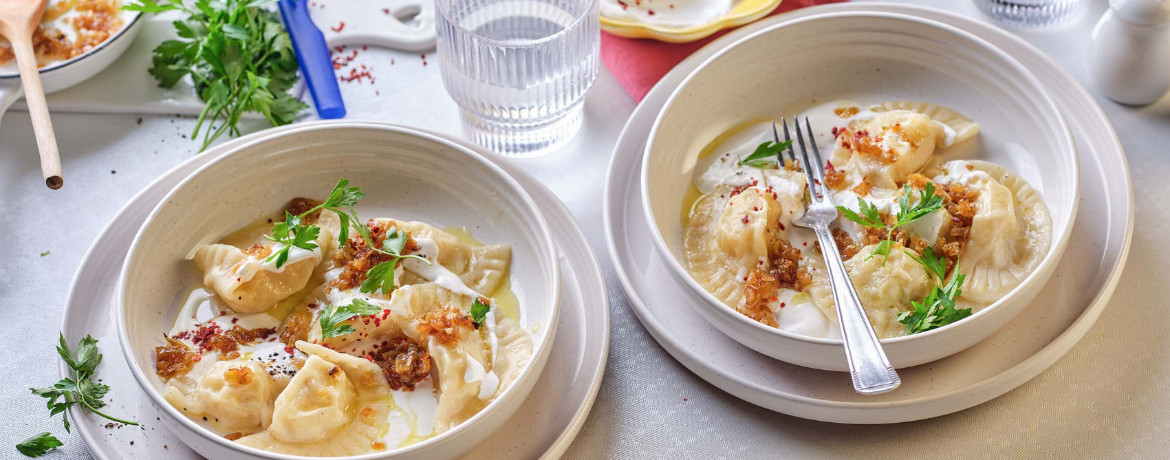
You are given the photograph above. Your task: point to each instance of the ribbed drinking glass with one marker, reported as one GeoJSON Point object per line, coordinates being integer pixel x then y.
{"type": "Point", "coordinates": [519, 69]}
{"type": "Point", "coordinates": [1031, 13]}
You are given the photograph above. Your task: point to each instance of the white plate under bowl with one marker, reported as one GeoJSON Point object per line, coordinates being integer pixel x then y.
{"type": "Point", "coordinates": [868, 57]}
{"type": "Point", "coordinates": [1069, 304]}
{"type": "Point", "coordinates": [544, 426]}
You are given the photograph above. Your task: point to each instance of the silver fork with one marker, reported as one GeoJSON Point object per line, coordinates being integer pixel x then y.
{"type": "Point", "coordinates": [868, 366]}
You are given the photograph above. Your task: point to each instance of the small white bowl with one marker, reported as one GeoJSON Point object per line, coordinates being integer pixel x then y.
{"type": "Point", "coordinates": [866, 57]}
{"type": "Point", "coordinates": [405, 174]}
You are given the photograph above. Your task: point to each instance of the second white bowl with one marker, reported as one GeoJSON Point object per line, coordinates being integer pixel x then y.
{"type": "Point", "coordinates": [867, 58]}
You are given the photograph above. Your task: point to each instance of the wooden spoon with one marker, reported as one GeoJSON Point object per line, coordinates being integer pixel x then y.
{"type": "Point", "coordinates": [18, 21]}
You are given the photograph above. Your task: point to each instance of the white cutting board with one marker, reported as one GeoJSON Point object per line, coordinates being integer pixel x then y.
{"type": "Point", "coordinates": [126, 86]}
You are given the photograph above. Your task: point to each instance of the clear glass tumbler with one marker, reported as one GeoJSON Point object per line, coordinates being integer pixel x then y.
{"type": "Point", "coordinates": [519, 69]}
{"type": "Point", "coordinates": [1031, 13]}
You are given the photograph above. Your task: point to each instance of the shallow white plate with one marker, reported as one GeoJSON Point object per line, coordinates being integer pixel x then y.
{"type": "Point", "coordinates": [544, 425]}
{"type": "Point", "coordinates": [1067, 306]}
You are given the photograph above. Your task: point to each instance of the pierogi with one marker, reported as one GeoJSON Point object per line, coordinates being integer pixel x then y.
{"type": "Point", "coordinates": [922, 239]}
{"type": "Point", "coordinates": [315, 333]}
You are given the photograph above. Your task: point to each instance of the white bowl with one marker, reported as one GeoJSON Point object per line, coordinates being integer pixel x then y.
{"type": "Point", "coordinates": [404, 174]}
{"type": "Point", "coordinates": [64, 74]}
{"type": "Point", "coordinates": [867, 57]}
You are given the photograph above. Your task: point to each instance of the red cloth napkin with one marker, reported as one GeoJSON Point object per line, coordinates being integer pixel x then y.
{"type": "Point", "coordinates": [639, 63]}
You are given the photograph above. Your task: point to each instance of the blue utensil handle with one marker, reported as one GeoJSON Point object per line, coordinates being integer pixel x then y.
{"type": "Point", "coordinates": [314, 58]}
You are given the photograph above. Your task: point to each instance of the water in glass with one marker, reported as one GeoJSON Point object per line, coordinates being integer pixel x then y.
{"type": "Point", "coordinates": [519, 69]}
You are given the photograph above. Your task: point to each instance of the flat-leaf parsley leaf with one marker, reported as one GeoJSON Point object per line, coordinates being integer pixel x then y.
{"type": "Point", "coordinates": [870, 216]}
{"type": "Point", "coordinates": [766, 154]}
{"type": "Point", "coordinates": [479, 311]}
{"type": "Point", "coordinates": [381, 276]}
{"type": "Point", "coordinates": [333, 317]}
{"type": "Point", "coordinates": [937, 309]}
{"type": "Point", "coordinates": [38, 445]}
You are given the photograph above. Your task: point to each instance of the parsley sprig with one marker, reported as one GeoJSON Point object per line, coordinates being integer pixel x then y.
{"type": "Point", "coordinates": [238, 56]}
{"type": "Point", "coordinates": [293, 232]}
{"type": "Point", "coordinates": [381, 276]}
{"type": "Point", "coordinates": [766, 154]}
{"type": "Point", "coordinates": [333, 318]}
{"type": "Point", "coordinates": [81, 389]}
{"type": "Point", "coordinates": [38, 445]}
{"type": "Point", "coordinates": [938, 308]}
{"type": "Point", "coordinates": [870, 216]}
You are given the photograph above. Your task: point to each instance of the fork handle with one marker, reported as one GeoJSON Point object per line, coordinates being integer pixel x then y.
{"type": "Point", "coordinates": [868, 366]}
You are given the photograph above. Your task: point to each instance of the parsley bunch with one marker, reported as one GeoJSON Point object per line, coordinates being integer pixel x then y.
{"type": "Point", "coordinates": [938, 308]}
{"type": "Point", "coordinates": [870, 217]}
{"type": "Point", "coordinates": [237, 54]}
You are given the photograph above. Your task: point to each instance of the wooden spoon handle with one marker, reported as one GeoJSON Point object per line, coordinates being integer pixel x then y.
{"type": "Point", "coordinates": [34, 97]}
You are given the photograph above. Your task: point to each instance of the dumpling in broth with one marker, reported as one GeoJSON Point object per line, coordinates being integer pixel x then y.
{"type": "Point", "coordinates": [481, 268]}
{"type": "Point", "coordinates": [467, 374]}
{"type": "Point", "coordinates": [1009, 234]}
{"type": "Point", "coordinates": [728, 235]}
{"type": "Point", "coordinates": [885, 287]}
{"type": "Point", "coordinates": [899, 140]}
{"type": "Point", "coordinates": [336, 405]}
{"type": "Point", "coordinates": [249, 284]}
{"type": "Point", "coordinates": [236, 396]}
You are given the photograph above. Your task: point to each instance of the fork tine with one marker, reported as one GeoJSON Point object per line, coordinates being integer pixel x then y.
{"type": "Point", "coordinates": [791, 153]}
{"type": "Point", "coordinates": [820, 170]}
{"type": "Point", "coordinates": [813, 189]}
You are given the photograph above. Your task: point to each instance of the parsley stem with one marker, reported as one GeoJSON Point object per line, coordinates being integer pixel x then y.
{"type": "Point", "coordinates": [108, 417]}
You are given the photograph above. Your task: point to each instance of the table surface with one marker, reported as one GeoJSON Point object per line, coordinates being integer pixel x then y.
{"type": "Point", "coordinates": [1108, 397]}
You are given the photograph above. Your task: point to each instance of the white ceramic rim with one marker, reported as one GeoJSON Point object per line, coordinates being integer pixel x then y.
{"type": "Point", "coordinates": [156, 398]}
{"type": "Point", "coordinates": [989, 388]}
{"type": "Point", "coordinates": [63, 64]}
{"type": "Point", "coordinates": [1053, 255]}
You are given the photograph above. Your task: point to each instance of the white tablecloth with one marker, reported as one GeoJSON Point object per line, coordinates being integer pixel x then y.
{"type": "Point", "coordinates": [1109, 397]}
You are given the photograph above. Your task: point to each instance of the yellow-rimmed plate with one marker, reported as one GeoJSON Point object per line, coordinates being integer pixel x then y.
{"type": "Point", "coordinates": [743, 12]}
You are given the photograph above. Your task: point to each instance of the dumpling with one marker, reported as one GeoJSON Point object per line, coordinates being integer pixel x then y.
{"type": "Point", "coordinates": [410, 303]}
{"type": "Point", "coordinates": [885, 289]}
{"type": "Point", "coordinates": [461, 376]}
{"type": "Point", "coordinates": [234, 396]}
{"type": "Point", "coordinates": [887, 148]}
{"type": "Point", "coordinates": [336, 405]}
{"type": "Point", "coordinates": [248, 284]}
{"type": "Point", "coordinates": [1009, 234]}
{"type": "Point", "coordinates": [956, 126]}
{"type": "Point", "coordinates": [727, 236]}
{"type": "Point", "coordinates": [464, 376]}
{"type": "Point", "coordinates": [514, 351]}
{"type": "Point", "coordinates": [479, 267]}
